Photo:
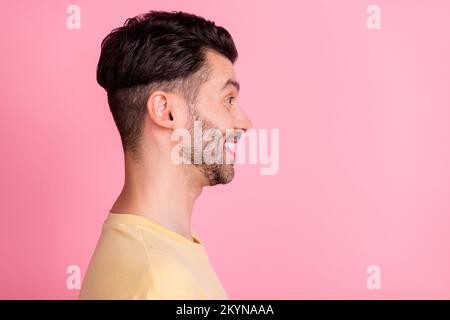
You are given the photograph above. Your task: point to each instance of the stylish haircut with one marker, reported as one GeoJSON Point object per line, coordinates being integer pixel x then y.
{"type": "Point", "coordinates": [156, 51]}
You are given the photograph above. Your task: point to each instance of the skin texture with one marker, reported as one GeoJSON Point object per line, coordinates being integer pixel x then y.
{"type": "Point", "coordinates": [161, 190]}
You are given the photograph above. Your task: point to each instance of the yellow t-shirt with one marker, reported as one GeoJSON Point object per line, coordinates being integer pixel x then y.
{"type": "Point", "coordinates": [136, 258]}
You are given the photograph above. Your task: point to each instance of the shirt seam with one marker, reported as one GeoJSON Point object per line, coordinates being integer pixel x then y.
{"type": "Point", "coordinates": [156, 285]}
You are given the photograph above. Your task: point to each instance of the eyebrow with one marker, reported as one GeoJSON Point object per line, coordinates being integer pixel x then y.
{"type": "Point", "coordinates": [232, 83]}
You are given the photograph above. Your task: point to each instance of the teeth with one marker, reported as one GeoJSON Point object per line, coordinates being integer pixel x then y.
{"type": "Point", "coordinates": [229, 145]}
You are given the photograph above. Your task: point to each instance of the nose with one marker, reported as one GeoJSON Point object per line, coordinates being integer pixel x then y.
{"type": "Point", "coordinates": [242, 121]}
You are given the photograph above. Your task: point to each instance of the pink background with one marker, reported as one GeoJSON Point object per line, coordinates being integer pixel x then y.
{"type": "Point", "coordinates": [364, 148]}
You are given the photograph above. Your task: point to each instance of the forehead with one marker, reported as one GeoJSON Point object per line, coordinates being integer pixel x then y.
{"type": "Point", "coordinates": [221, 69]}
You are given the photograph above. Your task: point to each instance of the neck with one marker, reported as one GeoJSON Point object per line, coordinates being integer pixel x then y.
{"type": "Point", "coordinates": [160, 191]}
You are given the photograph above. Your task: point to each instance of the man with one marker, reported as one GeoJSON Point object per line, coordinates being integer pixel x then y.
{"type": "Point", "coordinates": [163, 72]}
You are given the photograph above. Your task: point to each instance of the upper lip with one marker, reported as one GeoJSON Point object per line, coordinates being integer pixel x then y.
{"type": "Point", "coordinates": [234, 138]}
{"type": "Point", "coordinates": [234, 141]}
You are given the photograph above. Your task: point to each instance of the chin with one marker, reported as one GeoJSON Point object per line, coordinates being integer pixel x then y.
{"type": "Point", "coordinates": [227, 173]}
{"type": "Point", "coordinates": [217, 174]}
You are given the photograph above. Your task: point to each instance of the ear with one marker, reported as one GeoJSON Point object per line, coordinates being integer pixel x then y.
{"type": "Point", "coordinates": [160, 109]}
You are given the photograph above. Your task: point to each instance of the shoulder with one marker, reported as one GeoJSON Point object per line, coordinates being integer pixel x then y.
{"type": "Point", "coordinates": [126, 264]}
{"type": "Point", "coordinates": [119, 267]}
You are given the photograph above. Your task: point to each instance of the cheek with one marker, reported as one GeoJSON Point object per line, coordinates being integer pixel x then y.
{"type": "Point", "coordinates": [221, 118]}
{"type": "Point", "coordinates": [216, 113]}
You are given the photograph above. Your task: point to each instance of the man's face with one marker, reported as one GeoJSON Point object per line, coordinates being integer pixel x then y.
{"type": "Point", "coordinates": [217, 107]}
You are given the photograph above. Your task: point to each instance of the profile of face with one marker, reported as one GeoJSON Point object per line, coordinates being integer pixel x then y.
{"type": "Point", "coordinates": [217, 108]}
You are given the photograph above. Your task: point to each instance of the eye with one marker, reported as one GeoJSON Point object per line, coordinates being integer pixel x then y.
{"type": "Point", "coordinates": [230, 100]}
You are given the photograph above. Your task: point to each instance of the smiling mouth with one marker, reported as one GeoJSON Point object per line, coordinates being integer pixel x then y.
{"type": "Point", "coordinates": [230, 147]}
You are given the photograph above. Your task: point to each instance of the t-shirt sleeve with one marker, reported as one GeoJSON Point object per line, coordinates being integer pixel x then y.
{"type": "Point", "coordinates": [119, 268]}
